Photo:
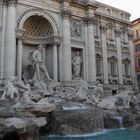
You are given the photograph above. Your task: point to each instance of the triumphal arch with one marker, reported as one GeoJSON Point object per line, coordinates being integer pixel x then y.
{"type": "Point", "coordinates": [80, 39]}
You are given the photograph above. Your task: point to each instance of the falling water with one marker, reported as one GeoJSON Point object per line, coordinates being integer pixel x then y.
{"type": "Point", "coordinates": [120, 120]}
{"type": "Point", "coordinates": [87, 120]}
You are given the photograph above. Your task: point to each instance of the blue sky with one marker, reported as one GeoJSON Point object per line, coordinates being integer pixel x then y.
{"type": "Point", "coordinates": [131, 6]}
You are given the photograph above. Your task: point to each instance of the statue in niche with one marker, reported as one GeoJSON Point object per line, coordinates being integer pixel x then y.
{"type": "Point", "coordinates": [39, 67]}
{"type": "Point", "coordinates": [36, 73]}
{"type": "Point", "coordinates": [76, 65]}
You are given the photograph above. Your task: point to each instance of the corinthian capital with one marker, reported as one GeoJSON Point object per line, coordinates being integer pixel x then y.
{"type": "Point", "coordinates": [20, 33]}
{"type": "Point", "coordinates": [11, 2]}
{"type": "Point", "coordinates": [66, 13]}
{"type": "Point", "coordinates": [89, 20]}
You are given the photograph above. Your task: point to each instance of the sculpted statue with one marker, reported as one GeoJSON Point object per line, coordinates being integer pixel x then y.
{"type": "Point", "coordinates": [76, 65]}
{"type": "Point", "coordinates": [38, 64]}
{"type": "Point", "coordinates": [36, 73]}
{"type": "Point", "coordinates": [10, 93]}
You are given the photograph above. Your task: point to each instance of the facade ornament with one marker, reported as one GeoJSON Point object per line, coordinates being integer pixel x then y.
{"type": "Point", "coordinates": [89, 20]}
{"type": "Point", "coordinates": [103, 29]}
{"type": "Point", "coordinates": [96, 22]}
{"type": "Point", "coordinates": [76, 28]}
{"type": "Point", "coordinates": [54, 40]}
{"type": "Point", "coordinates": [66, 13]}
{"type": "Point", "coordinates": [97, 44]}
{"type": "Point", "coordinates": [55, 43]}
{"type": "Point", "coordinates": [9, 2]}
{"type": "Point", "coordinates": [37, 11]}
{"type": "Point", "coordinates": [4, 2]}
{"type": "Point", "coordinates": [117, 33]}
{"type": "Point", "coordinates": [20, 34]}
{"type": "Point", "coordinates": [110, 26]}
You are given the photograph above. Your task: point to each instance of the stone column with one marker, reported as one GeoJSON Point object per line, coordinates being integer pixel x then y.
{"type": "Point", "coordinates": [104, 53]}
{"type": "Point", "coordinates": [66, 46]}
{"type": "Point", "coordinates": [3, 28]}
{"type": "Point", "coordinates": [19, 52]}
{"type": "Point", "coordinates": [44, 54]}
{"type": "Point", "coordinates": [130, 42]}
{"type": "Point", "coordinates": [91, 50]}
{"type": "Point", "coordinates": [86, 77]}
{"type": "Point", "coordinates": [10, 40]}
{"type": "Point", "coordinates": [119, 55]}
{"type": "Point", "coordinates": [55, 61]}
{"type": "Point", "coordinates": [19, 57]}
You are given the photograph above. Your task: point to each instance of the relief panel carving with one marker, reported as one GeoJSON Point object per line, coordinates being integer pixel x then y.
{"type": "Point", "coordinates": [76, 28]}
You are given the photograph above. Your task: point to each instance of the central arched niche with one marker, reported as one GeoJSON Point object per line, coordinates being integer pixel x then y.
{"type": "Point", "coordinates": [37, 28]}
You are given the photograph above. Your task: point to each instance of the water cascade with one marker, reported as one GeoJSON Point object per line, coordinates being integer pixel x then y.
{"type": "Point", "coordinates": [81, 121]}
{"type": "Point", "coordinates": [120, 120]}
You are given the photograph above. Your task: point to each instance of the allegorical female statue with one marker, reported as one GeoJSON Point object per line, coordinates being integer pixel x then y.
{"type": "Point", "coordinates": [76, 65]}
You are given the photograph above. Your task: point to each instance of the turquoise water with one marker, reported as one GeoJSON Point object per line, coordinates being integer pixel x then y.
{"type": "Point", "coordinates": [121, 134]}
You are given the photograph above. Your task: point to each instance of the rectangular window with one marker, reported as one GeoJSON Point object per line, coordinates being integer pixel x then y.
{"type": "Point", "coordinates": [137, 47]}
{"type": "Point", "coordinates": [137, 34]}
{"type": "Point", "coordinates": [112, 68]}
{"type": "Point", "coordinates": [138, 77]}
{"type": "Point", "coordinates": [124, 37]}
{"type": "Point", "coordinates": [109, 34]}
{"type": "Point", "coordinates": [138, 61]}
{"type": "Point", "coordinates": [98, 67]}
{"type": "Point", "coordinates": [96, 30]}
{"type": "Point", "coordinates": [126, 68]}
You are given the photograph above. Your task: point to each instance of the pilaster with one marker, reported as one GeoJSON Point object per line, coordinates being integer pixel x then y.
{"type": "Point", "coordinates": [119, 54]}
{"type": "Point", "coordinates": [55, 60]}
{"type": "Point", "coordinates": [66, 45]}
{"type": "Point", "coordinates": [10, 40]}
{"type": "Point", "coordinates": [3, 30]}
{"type": "Point", "coordinates": [103, 29]}
{"type": "Point", "coordinates": [19, 34]}
{"type": "Point", "coordinates": [130, 41]}
{"type": "Point", "coordinates": [89, 21]}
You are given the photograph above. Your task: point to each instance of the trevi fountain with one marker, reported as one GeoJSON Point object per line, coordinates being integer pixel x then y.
{"type": "Point", "coordinates": [38, 106]}
{"type": "Point", "coordinates": [67, 71]}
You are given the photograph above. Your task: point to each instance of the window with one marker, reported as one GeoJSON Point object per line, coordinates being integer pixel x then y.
{"type": "Point", "coordinates": [137, 34]}
{"type": "Point", "coordinates": [113, 68]}
{"type": "Point", "coordinates": [96, 30]}
{"type": "Point", "coordinates": [138, 61]}
{"type": "Point", "coordinates": [98, 67]}
{"type": "Point", "coordinates": [109, 33]}
{"type": "Point", "coordinates": [138, 77]}
{"type": "Point", "coordinates": [126, 68]}
{"type": "Point", "coordinates": [137, 47]}
{"type": "Point", "coordinates": [124, 36]}
{"type": "Point", "coordinates": [108, 11]}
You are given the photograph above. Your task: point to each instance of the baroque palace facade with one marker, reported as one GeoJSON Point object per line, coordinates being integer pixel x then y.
{"type": "Point", "coordinates": [100, 34]}
{"type": "Point", "coordinates": [136, 44]}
